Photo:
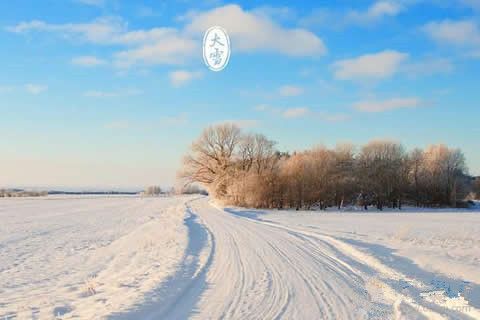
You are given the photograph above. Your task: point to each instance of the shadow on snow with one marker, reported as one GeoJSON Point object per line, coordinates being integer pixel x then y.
{"type": "Point", "coordinates": [177, 297]}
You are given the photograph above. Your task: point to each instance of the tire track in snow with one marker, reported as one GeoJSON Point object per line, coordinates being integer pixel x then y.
{"type": "Point", "coordinates": [405, 305]}
{"type": "Point", "coordinates": [263, 270]}
{"type": "Point", "coordinates": [305, 282]}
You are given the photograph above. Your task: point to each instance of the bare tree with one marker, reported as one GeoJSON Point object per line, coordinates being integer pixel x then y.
{"type": "Point", "coordinates": [343, 177]}
{"type": "Point", "coordinates": [380, 171]}
{"type": "Point", "coordinates": [211, 158]}
{"type": "Point", "coordinates": [476, 188]}
{"type": "Point", "coordinates": [444, 167]}
{"type": "Point", "coordinates": [153, 191]}
{"type": "Point", "coordinates": [247, 170]}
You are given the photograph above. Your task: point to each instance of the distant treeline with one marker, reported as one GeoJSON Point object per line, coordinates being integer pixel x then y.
{"type": "Point", "coordinates": [247, 170]}
{"type": "Point", "coordinates": [94, 192]}
{"type": "Point", "coordinates": [13, 193]}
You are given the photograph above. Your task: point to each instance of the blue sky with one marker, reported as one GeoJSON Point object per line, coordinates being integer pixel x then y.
{"type": "Point", "coordinates": [110, 93]}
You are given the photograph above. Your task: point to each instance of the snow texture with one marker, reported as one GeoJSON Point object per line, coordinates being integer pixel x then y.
{"type": "Point", "coordinates": [186, 258]}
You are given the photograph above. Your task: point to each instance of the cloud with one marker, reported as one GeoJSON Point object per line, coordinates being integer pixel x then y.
{"type": "Point", "coordinates": [280, 13]}
{"type": "Point", "coordinates": [474, 54]}
{"type": "Point", "coordinates": [180, 78]}
{"type": "Point", "coordinates": [172, 48]}
{"type": "Point", "coordinates": [290, 91]}
{"type": "Point", "coordinates": [112, 94]}
{"type": "Point", "coordinates": [104, 30]}
{"type": "Point", "coordinates": [262, 107]}
{"type": "Point", "coordinates": [464, 34]}
{"type": "Point", "coordinates": [35, 88]}
{"type": "Point", "coordinates": [451, 32]}
{"type": "Point", "coordinates": [88, 61]}
{"type": "Point", "coordinates": [178, 120]}
{"type": "Point", "coordinates": [321, 17]}
{"type": "Point", "coordinates": [374, 13]}
{"type": "Point", "coordinates": [6, 89]}
{"type": "Point", "coordinates": [370, 66]}
{"type": "Point", "coordinates": [295, 112]}
{"type": "Point", "coordinates": [474, 4]}
{"type": "Point", "coordinates": [429, 66]}
{"type": "Point", "coordinates": [301, 112]}
{"type": "Point", "coordinates": [339, 18]}
{"type": "Point", "coordinates": [243, 124]}
{"type": "Point", "coordinates": [97, 3]}
{"type": "Point", "coordinates": [333, 117]}
{"type": "Point", "coordinates": [387, 105]}
{"type": "Point", "coordinates": [117, 125]}
{"type": "Point", "coordinates": [144, 11]}
{"type": "Point", "coordinates": [152, 46]}
{"type": "Point", "coordinates": [252, 31]}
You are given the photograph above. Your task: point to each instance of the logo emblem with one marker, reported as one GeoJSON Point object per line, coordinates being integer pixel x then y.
{"type": "Point", "coordinates": [216, 48]}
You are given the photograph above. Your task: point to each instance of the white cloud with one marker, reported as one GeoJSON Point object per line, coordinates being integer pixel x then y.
{"type": "Point", "coordinates": [321, 17]}
{"type": "Point", "coordinates": [112, 94]}
{"type": "Point", "coordinates": [290, 91]}
{"type": "Point", "coordinates": [251, 31]}
{"type": "Point", "coordinates": [300, 112]}
{"type": "Point", "coordinates": [179, 78]}
{"type": "Point", "coordinates": [152, 46]}
{"type": "Point", "coordinates": [295, 112]}
{"type": "Point", "coordinates": [474, 54]}
{"type": "Point", "coordinates": [262, 107]}
{"type": "Point", "coordinates": [177, 120]}
{"type": "Point", "coordinates": [88, 61]}
{"type": "Point", "coordinates": [340, 18]}
{"type": "Point", "coordinates": [173, 49]}
{"type": "Point", "coordinates": [429, 66]}
{"type": "Point", "coordinates": [281, 13]}
{"type": "Point", "coordinates": [117, 125]}
{"type": "Point", "coordinates": [6, 89]}
{"type": "Point", "coordinates": [35, 88]}
{"type": "Point", "coordinates": [97, 3]}
{"type": "Point", "coordinates": [333, 117]}
{"type": "Point", "coordinates": [474, 4]}
{"type": "Point", "coordinates": [461, 32]}
{"type": "Point", "coordinates": [105, 30]}
{"type": "Point", "coordinates": [375, 12]}
{"type": "Point", "coordinates": [144, 11]}
{"type": "Point", "coordinates": [370, 66]}
{"type": "Point", "coordinates": [244, 124]}
{"type": "Point", "coordinates": [386, 105]}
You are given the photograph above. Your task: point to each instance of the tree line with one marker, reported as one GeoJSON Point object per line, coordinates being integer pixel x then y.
{"type": "Point", "coordinates": [246, 169]}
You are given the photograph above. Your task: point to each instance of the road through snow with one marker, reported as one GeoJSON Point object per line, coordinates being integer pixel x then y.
{"type": "Point", "coordinates": [178, 258]}
{"type": "Point", "coordinates": [264, 270]}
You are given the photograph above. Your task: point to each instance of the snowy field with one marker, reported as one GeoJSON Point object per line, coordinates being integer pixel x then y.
{"type": "Point", "coordinates": [85, 257]}
{"type": "Point", "coordinates": [184, 258]}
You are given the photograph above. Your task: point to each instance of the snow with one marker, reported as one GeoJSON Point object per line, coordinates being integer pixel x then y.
{"type": "Point", "coordinates": [404, 256]}
{"type": "Point", "coordinates": [85, 257]}
{"type": "Point", "coordinates": [187, 258]}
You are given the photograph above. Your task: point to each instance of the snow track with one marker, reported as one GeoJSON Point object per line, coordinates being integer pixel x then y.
{"type": "Point", "coordinates": [260, 271]}
{"type": "Point", "coordinates": [264, 270]}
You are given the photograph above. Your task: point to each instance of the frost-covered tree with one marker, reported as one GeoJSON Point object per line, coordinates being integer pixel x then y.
{"type": "Point", "coordinates": [247, 170]}
{"type": "Point", "coordinates": [211, 158]}
{"type": "Point", "coordinates": [153, 191]}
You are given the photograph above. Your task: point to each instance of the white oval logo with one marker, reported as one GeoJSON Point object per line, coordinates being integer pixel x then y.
{"type": "Point", "coordinates": [216, 48]}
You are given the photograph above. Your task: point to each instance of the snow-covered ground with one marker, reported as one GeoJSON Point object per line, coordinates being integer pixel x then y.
{"type": "Point", "coordinates": [86, 257]}
{"type": "Point", "coordinates": [184, 258]}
